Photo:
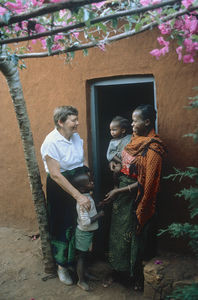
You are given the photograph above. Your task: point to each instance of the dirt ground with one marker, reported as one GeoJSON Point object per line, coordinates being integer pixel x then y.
{"type": "Point", "coordinates": [21, 274]}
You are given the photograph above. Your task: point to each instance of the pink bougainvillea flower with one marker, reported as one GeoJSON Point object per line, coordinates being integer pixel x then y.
{"type": "Point", "coordinates": [188, 43]}
{"type": "Point", "coordinates": [190, 46]}
{"type": "Point", "coordinates": [43, 43]}
{"type": "Point", "coordinates": [188, 58]}
{"type": "Point", "coordinates": [187, 3]}
{"type": "Point", "coordinates": [164, 50]}
{"type": "Point", "coordinates": [179, 24]}
{"type": "Point", "coordinates": [145, 2]}
{"type": "Point", "coordinates": [162, 42]}
{"type": "Point", "coordinates": [164, 28]}
{"type": "Point", "coordinates": [195, 44]}
{"type": "Point", "coordinates": [194, 25]}
{"type": "Point", "coordinates": [20, 26]}
{"type": "Point", "coordinates": [149, 2]}
{"type": "Point", "coordinates": [101, 46]}
{"type": "Point", "coordinates": [57, 47]}
{"type": "Point", "coordinates": [63, 12]}
{"type": "Point", "coordinates": [2, 11]}
{"type": "Point", "coordinates": [75, 34]}
{"type": "Point", "coordinates": [155, 1]}
{"type": "Point", "coordinates": [98, 5]}
{"type": "Point", "coordinates": [39, 28]}
{"type": "Point", "coordinates": [179, 52]}
{"type": "Point", "coordinates": [17, 27]}
{"type": "Point", "coordinates": [58, 37]}
{"type": "Point", "coordinates": [156, 53]}
{"type": "Point", "coordinates": [37, 2]}
{"type": "Point", "coordinates": [190, 24]}
{"type": "Point", "coordinates": [56, 1]}
{"type": "Point", "coordinates": [17, 7]}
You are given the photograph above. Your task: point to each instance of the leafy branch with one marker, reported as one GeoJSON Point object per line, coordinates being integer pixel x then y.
{"type": "Point", "coordinates": [92, 22]}
{"type": "Point", "coordinates": [46, 9]}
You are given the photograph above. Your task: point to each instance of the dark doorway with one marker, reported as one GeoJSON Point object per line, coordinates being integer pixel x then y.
{"type": "Point", "coordinates": [109, 99]}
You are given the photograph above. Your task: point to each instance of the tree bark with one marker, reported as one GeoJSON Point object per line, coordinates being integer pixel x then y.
{"type": "Point", "coordinates": [11, 74]}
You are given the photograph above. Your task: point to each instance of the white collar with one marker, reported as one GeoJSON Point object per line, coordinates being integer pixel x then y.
{"type": "Point", "coordinates": [60, 137]}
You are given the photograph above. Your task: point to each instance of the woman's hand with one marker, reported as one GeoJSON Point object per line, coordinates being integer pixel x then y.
{"type": "Point", "coordinates": [84, 202]}
{"type": "Point", "coordinates": [109, 196]}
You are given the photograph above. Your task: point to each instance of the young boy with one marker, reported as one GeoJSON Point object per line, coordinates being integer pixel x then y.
{"type": "Point", "coordinates": [87, 223]}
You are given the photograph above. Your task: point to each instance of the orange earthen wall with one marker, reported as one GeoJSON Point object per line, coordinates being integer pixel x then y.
{"type": "Point", "coordinates": [50, 82]}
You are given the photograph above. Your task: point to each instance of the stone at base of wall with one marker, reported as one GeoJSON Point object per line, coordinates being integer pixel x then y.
{"type": "Point", "coordinates": [164, 273]}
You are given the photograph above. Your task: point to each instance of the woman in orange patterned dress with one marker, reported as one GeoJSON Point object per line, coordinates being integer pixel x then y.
{"type": "Point", "coordinates": [134, 201]}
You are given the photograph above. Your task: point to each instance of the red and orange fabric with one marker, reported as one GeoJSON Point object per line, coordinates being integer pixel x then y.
{"type": "Point", "coordinates": [148, 152]}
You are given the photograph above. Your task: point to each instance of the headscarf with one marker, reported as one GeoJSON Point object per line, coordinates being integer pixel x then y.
{"type": "Point", "coordinates": [147, 152]}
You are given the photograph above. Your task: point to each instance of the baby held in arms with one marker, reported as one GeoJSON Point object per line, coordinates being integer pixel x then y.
{"type": "Point", "coordinates": [119, 129]}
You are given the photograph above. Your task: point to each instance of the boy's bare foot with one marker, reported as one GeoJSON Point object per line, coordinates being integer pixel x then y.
{"type": "Point", "coordinates": [83, 285]}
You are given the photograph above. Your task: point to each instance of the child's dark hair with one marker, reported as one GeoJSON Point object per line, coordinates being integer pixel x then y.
{"type": "Point", "coordinates": [124, 123]}
{"type": "Point", "coordinates": [79, 179]}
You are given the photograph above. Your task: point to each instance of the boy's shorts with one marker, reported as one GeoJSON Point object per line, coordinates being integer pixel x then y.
{"type": "Point", "coordinates": [83, 239]}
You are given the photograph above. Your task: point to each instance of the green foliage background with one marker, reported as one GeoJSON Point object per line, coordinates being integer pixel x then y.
{"type": "Point", "coordinates": [187, 230]}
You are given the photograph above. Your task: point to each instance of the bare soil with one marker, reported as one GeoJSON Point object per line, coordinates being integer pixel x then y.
{"type": "Point", "coordinates": [22, 273]}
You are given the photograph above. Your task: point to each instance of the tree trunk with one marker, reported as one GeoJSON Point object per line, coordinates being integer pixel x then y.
{"type": "Point", "coordinates": [11, 74]}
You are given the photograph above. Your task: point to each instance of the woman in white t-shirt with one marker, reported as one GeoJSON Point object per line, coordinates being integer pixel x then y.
{"type": "Point", "coordinates": [63, 157]}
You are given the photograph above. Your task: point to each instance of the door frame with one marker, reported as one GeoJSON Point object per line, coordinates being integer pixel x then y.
{"type": "Point", "coordinates": [95, 120]}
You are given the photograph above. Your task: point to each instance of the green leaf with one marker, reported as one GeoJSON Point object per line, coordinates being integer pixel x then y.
{"type": "Point", "coordinates": [72, 54]}
{"type": "Point", "coordinates": [103, 27]}
{"type": "Point", "coordinates": [195, 37]}
{"type": "Point", "coordinates": [114, 23]}
{"type": "Point", "coordinates": [68, 57]}
{"type": "Point", "coordinates": [190, 172]}
{"type": "Point", "coordinates": [49, 43]}
{"type": "Point", "coordinates": [146, 19]}
{"type": "Point", "coordinates": [138, 26]}
{"type": "Point", "coordinates": [6, 17]}
{"type": "Point", "coordinates": [172, 23]}
{"type": "Point", "coordinates": [85, 52]}
{"type": "Point", "coordinates": [126, 27]}
{"type": "Point", "coordinates": [88, 23]}
{"type": "Point", "coordinates": [85, 15]}
{"type": "Point", "coordinates": [180, 40]}
{"type": "Point", "coordinates": [22, 66]}
{"type": "Point", "coordinates": [186, 292]}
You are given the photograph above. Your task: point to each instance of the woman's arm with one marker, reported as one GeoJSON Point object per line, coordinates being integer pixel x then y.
{"type": "Point", "coordinates": [55, 174]}
{"type": "Point", "coordinates": [129, 188]}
